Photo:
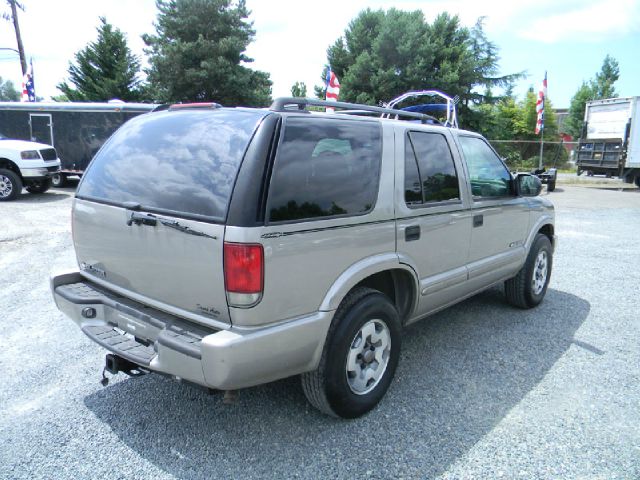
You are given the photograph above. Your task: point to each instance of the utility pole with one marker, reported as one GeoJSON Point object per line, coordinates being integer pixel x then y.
{"type": "Point", "coordinates": [14, 16]}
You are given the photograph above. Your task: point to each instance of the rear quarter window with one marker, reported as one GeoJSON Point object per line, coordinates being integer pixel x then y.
{"type": "Point", "coordinates": [183, 162]}
{"type": "Point", "coordinates": [325, 168]}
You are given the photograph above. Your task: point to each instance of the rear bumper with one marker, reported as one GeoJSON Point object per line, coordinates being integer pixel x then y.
{"type": "Point", "coordinates": [224, 359]}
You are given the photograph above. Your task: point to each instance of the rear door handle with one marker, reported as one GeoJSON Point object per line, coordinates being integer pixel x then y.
{"type": "Point", "coordinates": [412, 233]}
{"type": "Point", "coordinates": [478, 220]}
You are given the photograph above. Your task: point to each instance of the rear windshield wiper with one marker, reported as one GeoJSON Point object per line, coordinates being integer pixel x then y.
{"type": "Point", "coordinates": [150, 219]}
{"type": "Point", "coordinates": [183, 228]}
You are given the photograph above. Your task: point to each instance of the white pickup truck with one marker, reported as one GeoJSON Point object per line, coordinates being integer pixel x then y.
{"type": "Point", "coordinates": [25, 164]}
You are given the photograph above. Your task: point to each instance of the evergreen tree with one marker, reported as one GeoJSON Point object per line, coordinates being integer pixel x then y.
{"type": "Point", "coordinates": [609, 74]}
{"type": "Point", "coordinates": [104, 69]}
{"type": "Point", "coordinates": [8, 92]}
{"type": "Point", "coordinates": [197, 54]}
{"type": "Point", "coordinates": [299, 89]}
{"type": "Point", "coordinates": [383, 54]}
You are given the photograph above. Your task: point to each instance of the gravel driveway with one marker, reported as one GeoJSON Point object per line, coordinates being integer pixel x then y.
{"type": "Point", "coordinates": [482, 390]}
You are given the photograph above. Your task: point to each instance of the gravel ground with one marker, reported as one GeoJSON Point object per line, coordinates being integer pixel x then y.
{"type": "Point", "coordinates": [482, 390]}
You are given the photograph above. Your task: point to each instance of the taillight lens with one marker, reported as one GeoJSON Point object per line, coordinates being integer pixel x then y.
{"type": "Point", "coordinates": [243, 268]}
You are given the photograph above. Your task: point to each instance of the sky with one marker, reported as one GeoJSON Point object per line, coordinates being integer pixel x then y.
{"type": "Point", "coordinates": [569, 39]}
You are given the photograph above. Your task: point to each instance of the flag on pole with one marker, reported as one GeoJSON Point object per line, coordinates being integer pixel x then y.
{"type": "Point", "coordinates": [542, 96]}
{"type": "Point", "coordinates": [28, 86]}
{"type": "Point", "coordinates": [333, 88]}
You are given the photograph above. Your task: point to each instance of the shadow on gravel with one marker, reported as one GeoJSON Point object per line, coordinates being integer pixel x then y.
{"type": "Point", "coordinates": [460, 373]}
{"type": "Point", "coordinates": [47, 197]}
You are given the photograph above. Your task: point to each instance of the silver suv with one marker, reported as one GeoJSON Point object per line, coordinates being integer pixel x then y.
{"type": "Point", "coordinates": [231, 247]}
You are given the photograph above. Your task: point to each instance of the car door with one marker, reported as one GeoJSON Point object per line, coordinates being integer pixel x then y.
{"type": "Point", "coordinates": [433, 216]}
{"type": "Point", "coordinates": [500, 218]}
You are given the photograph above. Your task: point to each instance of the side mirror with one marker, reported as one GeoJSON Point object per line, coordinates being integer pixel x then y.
{"type": "Point", "coordinates": [528, 185]}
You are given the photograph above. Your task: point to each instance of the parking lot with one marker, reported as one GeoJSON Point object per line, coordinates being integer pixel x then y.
{"type": "Point", "coordinates": [483, 390]}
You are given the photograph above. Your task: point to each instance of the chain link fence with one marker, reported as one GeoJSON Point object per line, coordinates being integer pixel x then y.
{"type": "Point", "coordinates": [524, 155]}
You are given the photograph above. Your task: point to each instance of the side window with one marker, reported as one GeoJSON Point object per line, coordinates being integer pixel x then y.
{"type": "Point", "coordinates": [489, 177]}
{"type": "Point", "coordinates": [325, 168]}
{"type": "Point", "coordinates": [430, 174]}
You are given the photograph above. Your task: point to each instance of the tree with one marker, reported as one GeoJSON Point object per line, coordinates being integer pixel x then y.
{"type": "Point", "coordinates": [104, 69]}
{"type": "Point", "coordinates": [575, 117]}
{"type": "Point", "coordinates": [609, 74]}
{"type": "Point", "coordinates": [8, 92]}
{"type": "Point", "coordinates": [299, 89]}
{"type": "Point", "coordinates": [601, 86]}
{"type": "Point", "coordinates": [197, 54]}
{"type": "Point", "coordinates": [383, 54]}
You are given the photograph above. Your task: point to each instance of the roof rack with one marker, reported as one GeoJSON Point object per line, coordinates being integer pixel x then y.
{"type": "Point", "coordinates": [452, 117]}
{"type": "Point", "coordinates": [284, 104]}
{"type": "Point", "coordinates": [181, 106]}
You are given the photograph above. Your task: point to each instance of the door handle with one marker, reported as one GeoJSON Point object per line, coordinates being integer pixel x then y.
{"type": "Point", "coordinates": [478, 220]}
{"type": "Point", "coordinates": [412, 233]}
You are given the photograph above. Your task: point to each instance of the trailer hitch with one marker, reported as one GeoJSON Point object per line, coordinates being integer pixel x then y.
{"type": "Point", "coordinates": [115, 364]}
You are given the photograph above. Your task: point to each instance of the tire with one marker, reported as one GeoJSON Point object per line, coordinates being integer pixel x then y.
{"type": "Point", "coordinates": [39, 186]}
{"type": "Point", "coordinates": [637, 181]}
{"type": "Point", "coordinates": [529, 286]}
{"type": "Point", "coordinates": [363, 315]}
{"type": "Point", "coordinates": [10, 185]}
{"type": "Point", "coordinates": [59, 180]}
{"type": "Point", "coordinates": [551, 185]}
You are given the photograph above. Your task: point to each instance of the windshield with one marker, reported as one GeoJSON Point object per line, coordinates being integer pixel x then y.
{"type": "Point", "coordinates": [178, 161]}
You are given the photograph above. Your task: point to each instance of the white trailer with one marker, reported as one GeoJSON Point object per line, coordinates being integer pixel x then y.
{"type": "Point", "coordinates": [610, 140]}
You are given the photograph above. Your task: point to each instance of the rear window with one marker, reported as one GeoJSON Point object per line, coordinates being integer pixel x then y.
{"type": "Point", "coordinates": [325, 168]}
{"type": "Point", "coordinates": [184, 161]}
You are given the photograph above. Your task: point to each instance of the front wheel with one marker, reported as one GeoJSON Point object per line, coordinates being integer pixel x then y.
{"type": "Point", "coordinates": [10, 185]}
{"type": "Point", "coordinates": [529, 286]}
{"type": "Point", "coordinates": [360, 356]}
{"type": "Point", "coordinates": [39, 186]}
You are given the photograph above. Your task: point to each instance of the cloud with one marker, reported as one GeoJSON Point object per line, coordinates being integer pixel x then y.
{"type": "Point", "coordinates": [593, 22]}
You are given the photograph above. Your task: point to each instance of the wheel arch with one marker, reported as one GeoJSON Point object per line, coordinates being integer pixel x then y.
{"type": "Point", "coordinates": [10, 165]}
{"type": "Point", "coordinates": [384, 273]}
{"type": "Point", "coordinates": [545, 226]}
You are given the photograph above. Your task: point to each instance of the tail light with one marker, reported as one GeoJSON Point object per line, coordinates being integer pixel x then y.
{"type": "Point", "coordinates": [243, 273]}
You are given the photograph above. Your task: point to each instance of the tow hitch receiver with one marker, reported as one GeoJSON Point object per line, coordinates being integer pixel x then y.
{"type": "Point", "coordinates": [115, 364]}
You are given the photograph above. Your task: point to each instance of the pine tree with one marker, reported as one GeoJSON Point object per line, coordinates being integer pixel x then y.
{"type": "Point", "coordinates": [383, 54]}
{"type": "Point", "coordinates": [198, 54]}
{"type": "Point", "coordinates": [299, 89]}
{"type": "Point", "coordinates": [104, 69]}
{"type": "Point", "coordinates": [8, 92]}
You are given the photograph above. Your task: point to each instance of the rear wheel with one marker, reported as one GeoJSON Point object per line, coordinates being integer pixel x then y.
{"type": "Point", "coordinates": [529, 286]}
{"type": "Point", "coordinates": [59, 180]}
{"type": "Point", "coordinates": [551, 185]}
{"type": "Point", "coordinates": [360, 356]}
{"type": "Point", "coordinates": [10, 185]}
{"type": "Point", "coordinates": [39, 186]}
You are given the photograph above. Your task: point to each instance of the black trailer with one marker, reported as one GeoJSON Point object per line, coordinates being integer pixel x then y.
{"type": "Point", "coordinates": [76, 129]}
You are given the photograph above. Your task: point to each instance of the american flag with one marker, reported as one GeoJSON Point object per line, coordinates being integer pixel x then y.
{"type": "Point", "coordinates": [333, 88]}
{"type": "Point", "coordinates": [28, 87]}
{"type": "Point", "coordinates": [542, 95]}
